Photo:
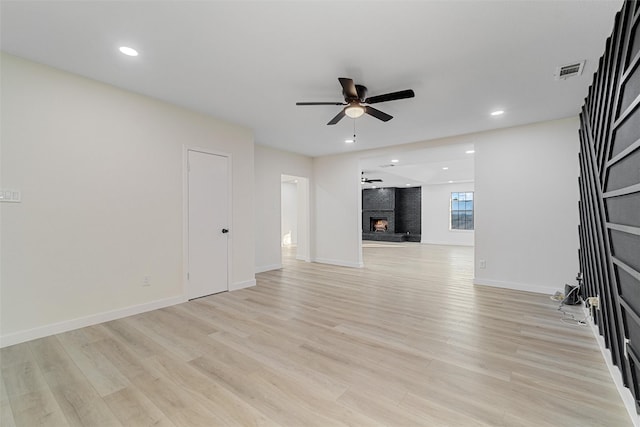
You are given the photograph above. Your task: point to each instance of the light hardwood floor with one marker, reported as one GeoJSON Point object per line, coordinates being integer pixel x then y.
{"type": "Point", "coordinates": [405, 341]}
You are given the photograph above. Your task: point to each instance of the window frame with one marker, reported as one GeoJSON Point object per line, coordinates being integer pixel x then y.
{"type": "Point", "coordinates": [468, 215]}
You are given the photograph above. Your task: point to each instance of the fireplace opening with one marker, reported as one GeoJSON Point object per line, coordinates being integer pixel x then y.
{"type": "Point", "coordinates": [379, 225]}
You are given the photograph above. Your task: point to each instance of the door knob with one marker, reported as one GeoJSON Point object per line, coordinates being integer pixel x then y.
{"type": "Point", "coordinates": [225, 231]}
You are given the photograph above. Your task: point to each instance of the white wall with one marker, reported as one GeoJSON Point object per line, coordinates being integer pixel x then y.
{"type": "Point", "coordinates": [101, 175]}
{"type": "Point", "coordinates": [436, 200]}
{"type": "Point", "coordinates": [270, 165]}
{"type": "Point", "coordinates": [527, 206]}
{"type": "Point", "coordinates": [289, 215]}
{"type": "Point", "coordinates": [338, 219]}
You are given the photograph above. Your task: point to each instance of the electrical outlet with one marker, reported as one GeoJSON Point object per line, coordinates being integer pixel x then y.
{"type": "Point", "coordinates": [10, 196]}
{"type": "Point", "coordinates": [146, 281]}
{"type": "Point", "coordinates": [483, 263]}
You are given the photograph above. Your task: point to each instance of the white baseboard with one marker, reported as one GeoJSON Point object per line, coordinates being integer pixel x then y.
{"type": "Point", "coordinates": [268, 268]}
{"type": "Point", "coordinates": [625, 393]}
{"type": "Point", "coordinates": [431, 242]}
{"type": "Point", "coordinates": [516, 286]}
{"type": "Point", "coordinates": [81, 322]}
{"type": "Point", "coordinates": [241, 285]}
{"type": "Point", "coordinates": [339, 262]}
{"type": "Point", "coordinates": [303, 258]}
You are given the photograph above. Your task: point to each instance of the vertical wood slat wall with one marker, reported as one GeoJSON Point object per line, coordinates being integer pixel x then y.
{"type": "Point", "coordinates": [609, 186]}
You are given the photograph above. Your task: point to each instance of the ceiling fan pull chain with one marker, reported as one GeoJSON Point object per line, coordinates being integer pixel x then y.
{"type": "Point", "coordinates": [354, 130]}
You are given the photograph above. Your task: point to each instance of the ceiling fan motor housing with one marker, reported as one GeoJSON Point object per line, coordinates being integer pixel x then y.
{"type": "Point", "coordinates": [362, 92]}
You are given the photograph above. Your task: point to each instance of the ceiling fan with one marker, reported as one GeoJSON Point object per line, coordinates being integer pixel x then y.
{"type": "Point", "coordinates": [366, 180]}
{"type": "Point", "coordinates": [355, 98]}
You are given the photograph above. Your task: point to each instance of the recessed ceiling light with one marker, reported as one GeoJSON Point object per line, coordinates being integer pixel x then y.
{"type": "Point", "coordinates": [128, 51]}
{"type": "Point", "coordinates": [470, 151]}
{"type": "Point", "coordinates": [408, 185]}
{"type": "Point", "coordinates": [497, 113]}
{"type": "Point", "coordinates": [349, 141]}
{"type": "Point", "coordinates": [445, 168]}
{"type": "Point", "coordinates": [362, 182]}
{"type": "Point", "coordinates": [395, 161]}
{"type": "Point", "coordinates": [374, 186]}
{"type": "Point", "coordinates": [450, 182]}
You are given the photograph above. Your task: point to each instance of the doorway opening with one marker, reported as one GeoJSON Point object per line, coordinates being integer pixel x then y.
{"type": "Point", "coordinates": [294, 216]}
{"type": "Point", "coordinates": [411, 197]}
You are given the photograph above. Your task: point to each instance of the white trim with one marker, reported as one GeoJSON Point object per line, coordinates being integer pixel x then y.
{"type": "Point", "coordinates": [242, 285]}
{"type": "Point", "coordinates": [431, 242]}
{"type": "Point", "coordinates": [339, 262]}
{"type": "Point", "coordinates": [528, 287]}
{"type": "Point", "coordinates": [303, 258]}
{"type": "Point", "coordinates": [81, 322]}
{"type": "Point", "coordinates": [268, 268]}
{"type": "Point", "coordinates": [185, 218]}
{"type": "Point", "coordinates": [185, 212]}
{"type": "Point", "coordinates": [230, 219]}
{"type": "Point", "coordinates": [625, 393]}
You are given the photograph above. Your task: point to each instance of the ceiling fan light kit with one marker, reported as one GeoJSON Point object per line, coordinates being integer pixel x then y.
{"type": "Point", "coordinates": [355, 100]}
{"type": "Point", "coordinates": [354, 110]}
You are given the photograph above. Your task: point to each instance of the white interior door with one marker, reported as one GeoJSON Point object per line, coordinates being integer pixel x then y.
{"type": "Point", "coordinates": [208, 224]}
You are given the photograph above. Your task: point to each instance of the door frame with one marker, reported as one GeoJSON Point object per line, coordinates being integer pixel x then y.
{"type": "Point", "coordinates": [302, 216]}
{"type": "Point", "coordinates": [185, 213]}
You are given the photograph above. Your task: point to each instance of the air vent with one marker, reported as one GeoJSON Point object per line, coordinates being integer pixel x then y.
{"type": "Point", "coordinates": [570, 70]}
{"type": "Point", "coordinates": [390, 165]}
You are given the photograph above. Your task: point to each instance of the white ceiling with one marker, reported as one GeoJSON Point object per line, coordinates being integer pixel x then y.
{"type": "Point", "coordinates": [420, 167]}
{"type": "Point", "coordinates": [249, 62]}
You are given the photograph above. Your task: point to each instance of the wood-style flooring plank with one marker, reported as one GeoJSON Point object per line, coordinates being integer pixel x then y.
{"type": "Point", "coordinates": [6, 414]}
{"type": "Point", "coordinates": [177, 404]}
{"type": "Point", "coordinates": [228, 407]}
{"type": "Point", "coordinates": [38, 408]}
{"type": "Point", "coordinates": [79, 401]}
{"type": "Point", "coordinates": [133, 408]}
{"type": "Point", "coordinates": [96, 367]}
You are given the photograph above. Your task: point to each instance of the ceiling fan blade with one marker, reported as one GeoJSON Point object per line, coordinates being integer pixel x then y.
{"type": "Point", "coordinates": [320, 103]}
{"type": "Point", "coordinates": [390, 96]}
{"type": "Point", "coordinates": [378, 114]}
{"type": "Point", "coordinates": [337, 118]}
{"type": "Point", "coordinates": [348, 87]}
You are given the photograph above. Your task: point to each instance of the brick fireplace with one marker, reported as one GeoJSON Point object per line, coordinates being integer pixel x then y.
{"type": "Point", "coordinates": [391, 214]}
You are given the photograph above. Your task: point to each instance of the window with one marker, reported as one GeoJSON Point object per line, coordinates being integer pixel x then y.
{"type": "Point", "coordinates": [462, 211]}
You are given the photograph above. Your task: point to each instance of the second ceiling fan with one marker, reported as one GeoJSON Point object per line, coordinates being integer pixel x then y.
{"type": "Point", "coordinates": [355, 98]}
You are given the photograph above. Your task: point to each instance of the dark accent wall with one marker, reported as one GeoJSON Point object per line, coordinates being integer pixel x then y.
{"type": "Point", "coordinates": [610, 195]}
{"type": "Point", "coordinates": [379, 199]}
{"type": "Point", "coordinates": [401, 206]}
{"type": "Point", "coordinates": [409, 210]}
{"type": "Point", "coordinates": [379, 203]}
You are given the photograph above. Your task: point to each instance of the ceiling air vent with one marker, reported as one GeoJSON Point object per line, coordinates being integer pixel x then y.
{"type": "Point", "coordinates": [564, 72]}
